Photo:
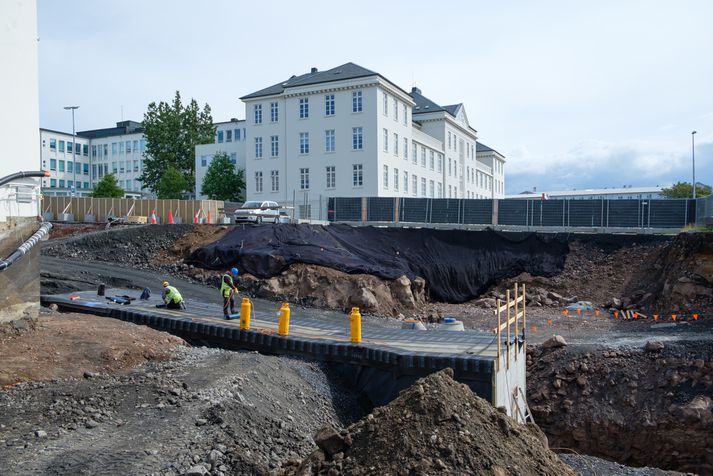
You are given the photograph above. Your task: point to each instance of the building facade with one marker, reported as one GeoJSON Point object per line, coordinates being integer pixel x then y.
{"type": "Point", "coordinates": [229, 139]}
{"type": "Point", "coordinates": [624, 193]}
{"type": "Point", "coordinates": [350, 131]}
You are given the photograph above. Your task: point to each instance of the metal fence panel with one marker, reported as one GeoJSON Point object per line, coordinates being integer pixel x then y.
{"type": "Point", "coordinates": [446, 210]}
{"type": "Point", "coordinates": [587, 213]}
{"type": "Point", "coordinates": [415, 210]}
{"type": "Point", "coordinates": [380, 209]}
{"type": "Point", "coordinates": [623, 214]}
{"type": "Point", "coordinates": [666, 213]}
{"type": "Point", "coordinates": [704, 210]}
{"type": "Point", "coordinates": [345, 209]}
{"type": "Point", "coordinates": [478, 212]}
{"type": "Point", "coordinates": [512, 212]}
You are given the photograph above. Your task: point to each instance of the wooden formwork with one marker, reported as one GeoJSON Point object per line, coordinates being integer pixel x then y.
{"type": "Point", "coordinates": [184, 211]}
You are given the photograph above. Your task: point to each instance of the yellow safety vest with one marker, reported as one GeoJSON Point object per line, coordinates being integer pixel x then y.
{"type": "Point", "coordinates": [173, 295]}
{"type": "Point", "coordinates": [225, 289]}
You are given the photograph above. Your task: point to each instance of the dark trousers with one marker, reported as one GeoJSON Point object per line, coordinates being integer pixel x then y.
{"type": "Point", "coordinates": [229, 304]}
{"type": "Point", "coordinates": [171, 305]}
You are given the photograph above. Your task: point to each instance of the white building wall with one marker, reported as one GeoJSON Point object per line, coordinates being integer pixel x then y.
{"type": "Point", "coordinates": [121, 155]}
{"type": "Point", "coordinates": [56, 157]}
{"type": "Point", "coordinates": [230, 139]}
{"type": "Point", "coordinates": [19, 96]}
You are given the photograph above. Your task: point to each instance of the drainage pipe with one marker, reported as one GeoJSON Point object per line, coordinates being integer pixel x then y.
{"type": "Point", "coordinates": [27, 245]}
{"type": "Point", "coordinates": [19, 175]}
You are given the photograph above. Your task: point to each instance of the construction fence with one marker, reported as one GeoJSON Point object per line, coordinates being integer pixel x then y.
{"type": "Point", "coordinates": [704, 211]}
{"type": "Point", "coordinates": [87, 209]}
{"type": "Point", "coordinates": [657, 213]}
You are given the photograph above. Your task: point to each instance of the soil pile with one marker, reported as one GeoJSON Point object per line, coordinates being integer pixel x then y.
{"type": "Point", "coordinates": [678, 278]}
{"type": "Point", "coordinates": [650, 406]}
{"type": "Point", "coordinates": [457, 265]}
{"type": "Point", "coordinates": [130, 246]}
{"type": "Point", "coordinates": [438, 426]}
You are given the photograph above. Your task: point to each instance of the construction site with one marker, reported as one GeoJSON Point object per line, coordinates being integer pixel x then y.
{"type": "Point", "coordinates": [361, 350]}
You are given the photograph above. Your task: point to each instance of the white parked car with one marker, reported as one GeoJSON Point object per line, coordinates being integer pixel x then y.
{"type": "Point", "coordinates": [258, 212]}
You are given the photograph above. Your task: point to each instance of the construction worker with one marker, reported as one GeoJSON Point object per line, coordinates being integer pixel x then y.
{"type": "Point", "coordinates": [228, 290]}
{"type": "Point", "coordinates": [171, 297]}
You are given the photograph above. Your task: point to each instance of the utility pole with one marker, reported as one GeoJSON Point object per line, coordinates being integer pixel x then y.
{"type": "Point", "coordinates": [74, 152]}
{"type": "Point", "coordinates": [693, 158]}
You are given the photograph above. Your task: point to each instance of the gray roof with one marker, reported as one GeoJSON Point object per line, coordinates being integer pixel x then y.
{"type": "Point", "coordinates": [122, 128]}
{"type": "Point", "coordinates": [340, 73]}
{"type": "Point", "coordinates": [453, 109]}
{"type": "Point", "coordinates": [423, 104]}
{"type": "Point", "coordinates": [480, 147]}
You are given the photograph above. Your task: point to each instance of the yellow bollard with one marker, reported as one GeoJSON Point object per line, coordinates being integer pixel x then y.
{"type": "Point", "coordinates": [355, 324]}
{"type": "Point", "coordinates": [284, 327]}
{"type": "Point", "coordinates": [245, 314]}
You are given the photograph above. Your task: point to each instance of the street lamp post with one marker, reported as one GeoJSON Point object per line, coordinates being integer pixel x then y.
{"type": "Point", "coordinates": [693, 158]}
{"type": "Point", "coordinates": [74, 152]}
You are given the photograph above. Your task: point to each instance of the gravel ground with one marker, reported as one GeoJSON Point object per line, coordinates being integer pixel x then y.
{"type": "Point", "coordinates": [591, 466]}
{"type": "Point", "coordinates": [227, 412]}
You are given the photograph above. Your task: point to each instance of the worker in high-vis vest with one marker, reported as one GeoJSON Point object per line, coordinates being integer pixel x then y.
{"type": "Point", "coordinates": [228, 290]}
{"type": "Point", "coordinates": [171, 297]}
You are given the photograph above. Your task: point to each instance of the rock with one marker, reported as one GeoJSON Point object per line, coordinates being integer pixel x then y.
{"type": "Point", "coordinates": [401, 291]}
{"type": "Point", "coordinates": [197, 470]}
{"type": "Point", "coordinates": [329, 441]}
{"type": "Point", "coordinates": [364, 299]}
{"type": "Point", "coordinates": [41, 434]}
{"type": "Point", "coordinates": [89, 375]}
{"type": "Point", "coordinates": [554, 342]}
{"type": "Point", "coordinates": [616, 303]}
{"type": "Point", "coordinates": [654, 346]}
{"type": "Point", "coordinates": [582, 381]}
{"type": "Point", "coordinates": [91, 424]}
{"type": "Point", "coordinates": [53, 307]}
{"type": "Point", "coordinates": [555, 297]}
{"type": "Point", "coordinates": [201, 422]}
{"type": "Point", "coordinates": [214, 456]}
{"type": "Point", "coordinates": [486, 303]}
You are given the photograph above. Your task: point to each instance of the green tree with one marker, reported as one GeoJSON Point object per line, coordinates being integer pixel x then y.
{"type": "Point", "coordinates": [108, 187]}
{"type": "Point", "coordinates": [685, 190]}
{"type": "Point", "coordinates": [222, 181]}
{"type": "Point", "coordinates": [172, 132]}
{"type": "Point", "coordinates": [172, 185]}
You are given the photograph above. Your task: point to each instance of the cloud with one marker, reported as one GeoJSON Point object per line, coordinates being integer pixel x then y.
{"type": "Point", "coordinates": [599, 164]}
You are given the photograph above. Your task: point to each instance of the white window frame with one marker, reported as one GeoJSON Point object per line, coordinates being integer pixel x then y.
{"type": "Point", "coordinates": [396, 144]}
{"type": "Point", "coordinates": [304, 178]}
{"type": "Point", "coordinates": [274, 112]}
{"type": "Point", "coordinates": [257, 111]}
{"type": "Point", "coordinates": [386, 140]}
{"type": "Point", "coordinates": [275, 180]}
{"type": "Point", "coordinates": [386, 176]}
{"type": "Point", "coordinates": [357, 175]}
{"type": "Point", "coordinates": [258, 181]}
{"type": "Point", "coordinates": [304, 143]}
{"type": "Point", "coordinates": [304, 108]}
{"type": "Point", "coordinates": [330, 141]}
{"type": "Point", "coordinates": [357, 138]}
{"type": "Point", "coordinates": [274, 146]}
{"type": "Point", "coordinates": [396, 179]}
{"type": "Point", "coordinates": [258, 147]}
{"type": "Point", "coordinates": [357, 102]}
{"type": "Point", "coordinates": [331, 176]}
{"type": "Point", "coordinates": [329, 105]}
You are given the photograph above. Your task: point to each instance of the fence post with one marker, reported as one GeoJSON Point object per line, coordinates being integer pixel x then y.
{"type": "Point", "coordinates": [494, 212]}
{"type": "Point", "coordinates": [364, 206]}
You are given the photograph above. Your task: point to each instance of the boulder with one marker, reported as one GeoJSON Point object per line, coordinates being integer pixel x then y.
{"type": "Point", "coordinates": [364, 299]}
{"type": "Point", "coordinates": [330, 441]}
{"type": "Point", "coordinates": [401, 291]}
{"type": "Point", "coordinates": [654, 346]}
{"type": "Point", "coordinates": [554, 342]}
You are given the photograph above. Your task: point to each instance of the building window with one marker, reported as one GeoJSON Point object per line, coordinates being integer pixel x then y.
{"type": "Point", "coordinates": [405, 148]}
{"type": "Point", "coordinates": [274, 112]}
{"type": "Point", "coordinates": [304, 179]}
{"type": "Point", "coordinates": [236, 135]}
{"type": "Point", "coordinates": [61, 183]}
{"type": "Point", "coordinates": [258, 147]}
{"type": "Point", "coordinates": [396, 179]}
{"type": "Point", "coordinates": [386, 104]}
{"type": "Point", "coordinates": [53, 164]}
{"type": "Point", "coordinates": [440, 190]}
{"type": "Point", "coordinates": [220, 138]}
{"type": "Point", "coordinates": [431, 188]}
{"type": "Point", "coordinates": [94, 151]}
{"type": "Point", "coordinates": [329, 105]}
{"type": "Point", "coordinates": [142, 145]}
{"type": "Point", "coordinates": [440, 163]}
{"type": "Point", "coordinates": [257, 109]}
{"type": "Point", "coordinates": [258, 181]}
{"type": "Point", "coordinates": [85, 169]}
{"type": "Point", "coordinates": [414, 185]}
{"type": "Point", "coordinates": [356, 101]}
{"type": "Point", "coordinates": [70, 166]}
{"type": "Point", "coordinates": [113, 148]}
{"type": "Point", "coordinates": [357, 175]}
{"type": "Point", "coordinates": [61, 146]}
{"type": "Point", "coordinates": [449, 140]}
{"type": "Point", "coordinates": [331, 176]}
{"type": "Point", "coordinates": [386, 176]}
{"type": "Point", "coordinates": [70, 146]}
{"type": "Point", "coordinates": [396, 110]}
{"type": "Point", "coordinates": [61, 165]}
{"type": "Point", "coordinates": [304, 142]}
{"type": "Point", "coordinates": [233, 158]}
{"type": "Point", "coordinates": [106, 150]}
{"type": "Point", "coordinates": [114, 168]}
{"type": "Point", "coordinates": [128, 146]}
{"type": "Point", "coordinates": [357, 138]}
{"type": "Point", "coordinates": [274, 146]}
{"type": "Point", "coordinates": [304, 108]}
{"type": "Point", "coordinates": [275, 179]}
{"type": "Point", "coordinates": [229, 136]}
{"type": "Point", "coordinates": [53, 144]}
{"type": "Point", "coordinates": [121, 148]}
{"type": "Point", "coordinates": [423, 157]}
{"type": "Point", "coordinates": [329, 141]}
{"type": "Point", "coordinates": [396, 144]}
{"type": "Point", "coordinates": [431, 160]}
{"type": "Point", "coordinates": [423, 186]}
{"type": "Point", "coordinates": [405, 114]}
{"type": "Point", "coordinates": [386, 140]}
{"type": "Point", "coordinates": [414, 153]}
{"type": "Point", "coordinates": [85, 150]}
{"type": "Point", "coordinates": [53, 183]}
{"type": "Point", "coordinates": [405, 181]}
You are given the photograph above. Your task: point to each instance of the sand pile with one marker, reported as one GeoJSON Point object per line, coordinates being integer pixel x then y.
{"type": "Point", "coordinates": [438, 426]}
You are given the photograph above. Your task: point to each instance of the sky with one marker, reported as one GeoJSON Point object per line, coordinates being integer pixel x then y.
{"type": "Point", "coordinates": [574, 94]}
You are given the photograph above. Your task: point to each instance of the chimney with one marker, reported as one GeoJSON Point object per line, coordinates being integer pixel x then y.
{"type": "Point", "coordinates": [415, 90]}
{"type": "Point", "coordinates": [314, 70]}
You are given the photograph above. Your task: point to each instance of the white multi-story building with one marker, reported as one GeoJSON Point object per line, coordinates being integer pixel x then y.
{"type": "Point", "coordinates": [56, 156]}
{"type": "Point", "coordinates": [350, 131]}
{"type": "Point", "coordinates": [229, 139]}
{"type": "Point", "coordinates": [490, 174]}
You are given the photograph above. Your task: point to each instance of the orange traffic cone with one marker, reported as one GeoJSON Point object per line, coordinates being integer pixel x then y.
{"type": "Point", "coordinates": [153, 217]}
{"type": "Point", "coordinates": [208, 221]}
{"type": "Point", "coordinates": [170, 217]}
{"type": "Point", "coordinates": [195, 219]}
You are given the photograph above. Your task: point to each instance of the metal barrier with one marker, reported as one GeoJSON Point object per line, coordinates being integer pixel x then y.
{"type": "Point", "coordinates": [704, 211]}
{"type": "Point", "coordinates": [599, 213]}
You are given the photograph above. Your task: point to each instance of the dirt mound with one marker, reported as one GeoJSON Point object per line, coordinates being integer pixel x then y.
{"type": "Point", "coordinates": [437, 426]}
{"type": "Point", "coordinates": [198, 237]}
{"type": "Point", "coordinates": [135, 246]}
{"type": "Point", "coordinates": [63, 230]}
{"type": "Point", "coordinates": [650, 406]}
{"type": "Point", "coordinates": [678, 278]}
